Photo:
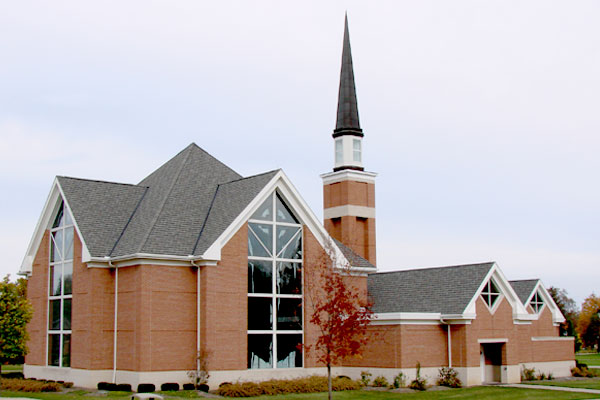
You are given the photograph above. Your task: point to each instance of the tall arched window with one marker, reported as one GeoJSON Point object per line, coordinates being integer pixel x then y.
{"type": "Point", "coordinates": [60, 286]}
{"type": "Point", "coordinates": [274, 287]}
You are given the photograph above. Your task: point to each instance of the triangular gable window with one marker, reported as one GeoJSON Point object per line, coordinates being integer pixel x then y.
{"type": "Point", "coordinates": [490, 294]}
{"type": "Point", "coordinates": [537, 302]}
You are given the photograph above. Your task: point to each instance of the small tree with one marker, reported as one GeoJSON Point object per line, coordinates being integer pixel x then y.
{"type": "Point", "coordinates": [568, 308]}
{"type": "Point", "coordinates": [200, 375]}
{"type": "Point", "coordinates": [339, 312]}
{"type": "Point", "coordinates": [15, 313]}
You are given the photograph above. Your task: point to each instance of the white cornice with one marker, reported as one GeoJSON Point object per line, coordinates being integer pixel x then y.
{"type": "Point", "coordinates": [348, 175]}
{"type": "Point", "coordinates": [552, 338]}
{"type": "Point", "coordinates": [349, 210]}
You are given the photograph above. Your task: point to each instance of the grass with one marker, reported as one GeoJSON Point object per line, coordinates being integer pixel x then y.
{"type": "Point", "coordinates": [473, 393]}
{"type": "Point", "coordinates": [588, 383]}
{"type": "Point", "coordinates": [12, 368]}
{"type": "Point", "coordinates": [588, 358]}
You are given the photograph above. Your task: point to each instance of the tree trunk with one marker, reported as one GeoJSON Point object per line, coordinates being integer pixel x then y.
{"type": "Point", "coordinates": [329, 385]}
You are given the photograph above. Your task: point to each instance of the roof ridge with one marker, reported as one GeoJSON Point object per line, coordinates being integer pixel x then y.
{"type": "Point", "coordinates": [525, 280]}
{"type": "Point", "coordinates": [101, 181]}
{"type": "Point", "coordinates": [251, 176]}
{"type": "Point", "coordinates": [432, 268]}
{"type": "Point", "coordinates": [212, 202]}
{"type": "Point", "coordinates": [165, 198]}
{"type": "Point", "coordinates": [128, 221]}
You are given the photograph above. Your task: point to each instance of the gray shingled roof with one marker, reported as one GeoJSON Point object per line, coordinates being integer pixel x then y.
{"type": "Point", "coordinates": [446, 290]}
{"type": "Point", "coordinates": [524, 288]}
{"type": "Point", "coordinates": [179, 209]}
{"type": "Point", "coordinates": [101, 209]}
{"type": "Point", "coordinates": [354, 259]}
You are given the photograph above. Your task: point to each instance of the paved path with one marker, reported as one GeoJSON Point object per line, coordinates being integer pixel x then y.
{"type": "Point", "coordinates": [548, 387]}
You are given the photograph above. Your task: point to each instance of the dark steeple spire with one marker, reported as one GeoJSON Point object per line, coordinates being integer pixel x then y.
{"type": "Point", "coordinates": [347, 113]}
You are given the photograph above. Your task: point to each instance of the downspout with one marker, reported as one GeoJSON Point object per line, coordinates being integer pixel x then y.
{"type": "Point", "coordinates": [197, 315]}
{"type": "Point", "coordinates": [449, 342]}
{"type": "Point", "coordinates": [114, 374]}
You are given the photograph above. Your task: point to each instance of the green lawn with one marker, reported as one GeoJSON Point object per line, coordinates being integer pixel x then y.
{"type": "Point", "coordinates": [589, 383]}
{"type": "Point", "coordinates": [588, 358]}
{"type": "Point", "coordinates": [12, 368]}
{"type": "Point", "coordinates": [474, 393]}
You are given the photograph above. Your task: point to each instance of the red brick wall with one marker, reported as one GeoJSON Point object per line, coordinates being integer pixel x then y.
{"type": "Point", "coordinates": [37, 294]}
{"type": "Point", "coordinates": [225, 306]}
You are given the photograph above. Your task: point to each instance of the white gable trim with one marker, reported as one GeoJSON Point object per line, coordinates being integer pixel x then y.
{"type": "Point", "coordinates": [43, 224]}
{"type": "Point", "coordinates": [557, 316]}
{"type": "Point", "coordinates": [519, 310]}
{"type": "Point", "coordinates": [283, 184]}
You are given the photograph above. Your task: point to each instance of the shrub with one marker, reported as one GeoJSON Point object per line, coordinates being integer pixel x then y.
{"type": "Point", "coordinates": [68, 385]}
{"type": "Point", "coordinates": [380, 381]}
{"type": "Point", "coordinates": [203, 387]}
{"type": "Point", "coordinates": [418, 383]}
{"type": "Point", "coordinates": [13, 375]}
{"type": "Point", "coordinates": [541, 376]}
{"type": "Point", "coordinates": [189, 386]}
{"type": "Point", "coordinates": [399, 380]}
{"type": "Point", "coordinates": [102, 385]}
{"type": "Point", "coordinates": [527, 374]}
{"type": "Point", "coordinates": [146, 388]}
{"type": "Point", "coordinates": [550, 376]}
{"type": "Point", "coordinates": [27, 385]}
{"type": "Point", "coordinates": [449, 377]}
{"type": "Point", "coordinates": [365, 378]}
{"type": "Point", "coordinates": [310, 384]}
{"type": "Point", "coordinates": [584, 372]}
{"type": "Point", "coordinates": [169, 387]}
{"type": "Point", "coordinates": [122, 387]}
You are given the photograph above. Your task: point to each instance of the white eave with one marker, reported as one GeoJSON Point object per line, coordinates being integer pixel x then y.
{"type": "Point", "coordinates": [43, 224]}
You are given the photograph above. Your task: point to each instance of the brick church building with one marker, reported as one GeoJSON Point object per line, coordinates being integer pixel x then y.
{"type": "Point", "coordinates": [129, 281]}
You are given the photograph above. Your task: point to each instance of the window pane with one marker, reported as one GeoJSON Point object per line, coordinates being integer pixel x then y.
{"type": "Point", "coordinates": [58, 221]}
{"type": "Point", "coordinates": [68, 220]}
{"type": "Point", "coordinates": [284, 234]}
{"type": "Point", "coordinates": [493, 298]}
{"type": "Point", "coordinates": [339, 151]}
{"type": "Point", "coordinates": [289, 314]}
{"type": "Point", "coordinates": [68, 277]}
{"type": "Point", "coordinates": [265, 211]}
{"type": "Point", "coordinates": [294, 249]}
{"type": "Point", "coordinates": [260, 313]}
{"type": "Point", "coordinates": [68, 254]}
{"type": "Point", "coordinates": [357, 150]}
{"type": "Point", "coordinates": [264, 233]}
{"type": "Point", "coordinates": [289, 278]}
{"type": "Point", "coordinates": [56, 246]}
{"type": "Point", "coordinates": [283, 212]}
{"type": "Point", "coordinates": [66, 314]}
{"type": "Point", "coordinates": [260, 351]}
{"type": "Point", "coordinates": [493, 288]}
{"type": "Point", "coordinates": [55, 280]}
{"type": "Point", "coordinates": [255, 248]}
{"type": "Point", "coordinates": [260, 276]}
{"type": "Point", "coordinates": [289, 351]}
{"type": "Point", "coordinates": [53, 349]}
{"type": "Point", "coordinates": [66, 354]}
{"type": "Point", "coordinates": [54, 315]}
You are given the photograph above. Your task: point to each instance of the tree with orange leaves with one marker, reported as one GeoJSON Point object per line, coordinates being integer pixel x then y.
{"type": "Point", "coordinates": [588, 323]}
{"type": "Point", "coordinates": [339, 312]}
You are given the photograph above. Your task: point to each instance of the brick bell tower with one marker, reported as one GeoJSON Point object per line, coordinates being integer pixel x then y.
{"type": "Point", "coordinates": [349, 191]}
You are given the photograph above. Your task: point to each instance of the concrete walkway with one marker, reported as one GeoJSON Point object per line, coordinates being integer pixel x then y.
{"type": "Point", "coordinates": [548, 387]}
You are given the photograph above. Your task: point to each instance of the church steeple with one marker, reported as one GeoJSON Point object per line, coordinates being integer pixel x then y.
{"type": "Point", "coordinates": [347, 133]}
{"type": "Point", "coordinates": [349, 191]}
{"type": "Point", "coordinates": [347, 112]}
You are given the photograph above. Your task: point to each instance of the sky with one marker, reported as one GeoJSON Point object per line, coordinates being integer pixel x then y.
{"type": "Point", "coordinates": [481, 118]}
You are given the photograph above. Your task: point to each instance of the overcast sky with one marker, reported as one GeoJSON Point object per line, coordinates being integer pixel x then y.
{"type": "Point", "coordinates": [480, 117]}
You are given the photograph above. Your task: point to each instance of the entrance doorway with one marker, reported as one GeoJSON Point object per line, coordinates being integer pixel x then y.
{"type": "Point", "coordinates": [491, 362]}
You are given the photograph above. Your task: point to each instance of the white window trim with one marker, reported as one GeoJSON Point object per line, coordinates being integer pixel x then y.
{"type": "Point", "coordinates": [493, 307]}
{"type": "Point", "coordinates": [60, 332]}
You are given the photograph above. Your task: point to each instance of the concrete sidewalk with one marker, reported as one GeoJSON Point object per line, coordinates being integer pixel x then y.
{"type": "Point", "coordinates": [548, 387]}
